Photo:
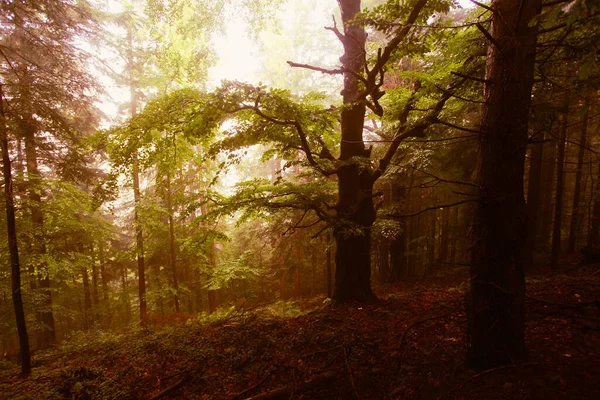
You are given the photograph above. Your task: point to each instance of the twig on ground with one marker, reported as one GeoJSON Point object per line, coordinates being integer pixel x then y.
{"type": "Point", "coordinates": [284, 392]}
{"type": "Point", "coordinates": [487, 371]}
{"type": "Point", "coordinates": [171, 388]}
{"type": "Point", "coordinates": [578, 305]}
{"type": "Point", "coordinates": [240, 394]}
{"type": "Point", "coordinates": [350, 373]}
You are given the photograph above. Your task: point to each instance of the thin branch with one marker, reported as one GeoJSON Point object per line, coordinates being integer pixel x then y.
{"type": "Point", "coordinates": [335, 30]}
{"type": "Point", "coordinates": [472, 78]}
{"type": "Point", "coordinates": [389, 48]}
{"type": "Point", "coordinates": [318, 69]}
{"type": "Point", "coordinates": [490, 9]}
{"type": "Point", "coordinates": [444, 180]}
{"type": "Point", "coordinates": [488, 36]}
{"type": "Point", "coordinates": [460, 128]}
{"type": "Point", "coordinates": [432, 208]}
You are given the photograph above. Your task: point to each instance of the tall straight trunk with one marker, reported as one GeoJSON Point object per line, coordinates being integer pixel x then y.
{"type": "Point", "coordinates": [172, 241]}
{"type": "Point", "coordinates": [593, 239]}
{"type": "Point", "coordinates": [384, 260]}
{"type": "Point", "coordinates": [547, 190]}
{"type": "Point", "coordinates": [46, 316]}
{"type": "Point", "coordinates": [313, 269]}
{"type": "Point", "coordinates": [95, 290]}
{"type": "Point", "coordinates": [576, 215]}
{"type": "Point", "coordinates": [13, 249]}
{"type": "Point", "coordinates": [355, 208]}
{"type": "Point", "coordinates": [87, 298]}
{"type": "Point", "coordinates": [496, 301]}
{"type": "Point", "coordinates": [533, 199]}
{"type": "Point", "coordinates": [431, 270]}
{"type": "Point", "coordinates": [139, 237]}
{"type": "Point", "coordinates": [398, 246]}
{"type": "Point", "coordinates": [329, 268]}
{"type": "Point", "coordinates": [560, 179]}
{"type": "Point", "coordinates": [444, 236]}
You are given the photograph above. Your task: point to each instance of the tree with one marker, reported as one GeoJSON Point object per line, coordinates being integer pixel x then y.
{"type": "Point", "coordinates": [496, 301]}
{"type": "Point", "coordinates": [13, 248]}
{"type": "Point", "coordinates": [291, 124]}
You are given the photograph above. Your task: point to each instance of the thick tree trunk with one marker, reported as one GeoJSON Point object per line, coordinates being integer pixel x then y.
{"type": "Point", "coordinates": [496, 301]}
{"type": "Point", "coordinates": [576, 215]}
{"type": "Point", "coordinates": [560, 179]}
{"type": "Point", "coordinates": [355, 209]}
{"type": "Point", "coordinates": [11, 227]}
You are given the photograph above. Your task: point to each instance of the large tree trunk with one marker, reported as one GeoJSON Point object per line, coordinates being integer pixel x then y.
{"type": "Point", "coordinates": [11, 227]}
{"type": "Point", "coordinates": [496, 301]}
{"type": "Point", "coordinates": [576, 215]}
{"type": "Point", "coordinates": [355, 209]}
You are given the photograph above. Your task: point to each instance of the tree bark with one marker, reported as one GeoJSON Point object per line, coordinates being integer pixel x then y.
{"type": "Point", "coordinates": [139, 237]}
{"type": "Point", "coordinates": [172, 242]}
{"type": "Point", "coordinates": [355, 208]}
{"type": "Point", "coordinates": [431, 269]}
{"type": "Point", "coordinates": [560, 179]}
{"type": "Point", "coordinates": [533, 199]}
{"type": "Point", "coordinates": [11, 227]}
{"type": "Point", "coordinates": [576, 215]}
{"type": "Point", "coordinates": [496, 301]}
{"type": "Point", "coordinates": [46, 316]}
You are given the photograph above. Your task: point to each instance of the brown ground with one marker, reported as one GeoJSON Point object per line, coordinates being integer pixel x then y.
{"type": "Point", "coordinates": [409, 346]}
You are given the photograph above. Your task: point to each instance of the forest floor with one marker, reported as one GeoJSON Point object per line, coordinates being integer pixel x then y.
{"type": "Point", "coordinates": [408, 346]}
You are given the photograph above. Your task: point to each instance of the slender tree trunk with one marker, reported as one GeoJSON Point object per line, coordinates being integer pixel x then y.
{"type": "Point", "coordinates": [87, 298]}
{"type": "Point", "coordinates": [431, 270]}
{"type": "Point", "coordinates": [172, 241]}
{"type": "Point", "coordinates": [496, 301]}
{"type": "Point", "coordinates": [139, 237]}
{"type": "Point", "coordinates": [355, 208]}
{"type": "Point", "coordinates": [13, 249]}
{"type": "Point", "coordinates": [575, 215]}
{"type": "Point", "coordinates": [560, 179]}
{"type": "Point", "coordinates": [593, 239]}
{"type": "Point", "coordinates": [329, 269]}
{"type": "Point", "coordinates": [443, 252]}
{"type": "Point", "coordinates": [48, 334]}
{"type": "Point", "coordinates": [533, 199]}
{"type": "Point", "coordinates": [549, 177]}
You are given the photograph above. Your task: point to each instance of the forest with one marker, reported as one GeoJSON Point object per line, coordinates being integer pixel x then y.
{"type": "Point", "coordinates": [284, 199]}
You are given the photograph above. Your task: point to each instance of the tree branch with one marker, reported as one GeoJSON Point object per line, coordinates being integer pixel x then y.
{"type": "Point", "coordinates": [431, 208]}
{"type": "Point", "coordinates": [389, 48]}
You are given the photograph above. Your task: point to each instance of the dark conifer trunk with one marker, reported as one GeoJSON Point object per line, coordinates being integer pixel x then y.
{"type": "Point", "coordinates": [576, 215]}
{"type": "Point", "coordinates": [11, 227]}
{"type": "Point", "coordinates": [560, 179]}
{"type": "Point", "coordinates": [496, 301]}
{"type": "Point", "coordinates": [533, 199]}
